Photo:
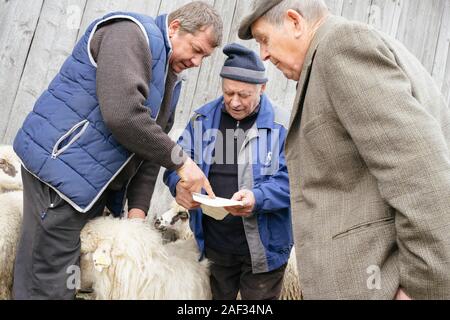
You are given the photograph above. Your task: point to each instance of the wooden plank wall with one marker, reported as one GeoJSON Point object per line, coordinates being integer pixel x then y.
{"type": "Point", "coordinates": [37, 35]}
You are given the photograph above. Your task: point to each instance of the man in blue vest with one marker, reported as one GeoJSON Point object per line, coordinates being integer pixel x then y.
{"type": "Point", "coordinates": [238, 141]}
{"type": "Point", "coordinates": [98, 136]}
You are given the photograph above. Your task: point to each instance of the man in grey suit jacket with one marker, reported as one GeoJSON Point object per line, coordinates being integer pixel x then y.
{"type": "Point", "coordinates": [368, 156]}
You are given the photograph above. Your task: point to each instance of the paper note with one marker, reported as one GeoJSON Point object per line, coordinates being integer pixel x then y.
{"type": "Point", "coordinates": [215, 207]}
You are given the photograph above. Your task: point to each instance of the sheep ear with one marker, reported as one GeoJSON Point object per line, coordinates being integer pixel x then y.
{"type": "Point", "coordinates": [102, 256]}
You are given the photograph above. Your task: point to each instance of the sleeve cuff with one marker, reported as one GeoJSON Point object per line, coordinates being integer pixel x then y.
{"type": "Point", "coordinates": [171, 181]}
{"type": "Point", "coordinates": [140, 207]}
{"type": "Point", "coordinates": [259, 200]}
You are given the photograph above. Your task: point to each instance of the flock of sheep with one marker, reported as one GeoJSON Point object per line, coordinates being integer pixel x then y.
{"type": "Point", "coordinates": [155, 259]}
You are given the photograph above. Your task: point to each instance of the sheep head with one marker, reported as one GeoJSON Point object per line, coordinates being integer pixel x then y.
{"type": "Point", "coordinates": [173, 218]}
{"type": "Point", "coordinates": [174, 224]}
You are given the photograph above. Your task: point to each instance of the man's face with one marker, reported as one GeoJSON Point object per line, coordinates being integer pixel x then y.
{"type": "Point", "coordinates": [188, 50]}
{"type": "Point", "coordinates": [241, 98]}
{"type": "Point", "coordinates": [282, 45]}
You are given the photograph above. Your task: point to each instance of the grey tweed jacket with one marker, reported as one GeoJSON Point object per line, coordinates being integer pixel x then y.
{"type": "Point", "coordinates": [369, 165]}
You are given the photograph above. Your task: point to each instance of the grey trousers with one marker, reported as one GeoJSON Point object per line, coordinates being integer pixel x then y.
{"type": "Point", "coordinates": [49, 246]}
{"type": "Point", "coordinates": [231, 274]}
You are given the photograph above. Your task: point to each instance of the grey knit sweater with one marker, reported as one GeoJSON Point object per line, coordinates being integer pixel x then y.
{"type": "Point", "coordinates": [124, 71]}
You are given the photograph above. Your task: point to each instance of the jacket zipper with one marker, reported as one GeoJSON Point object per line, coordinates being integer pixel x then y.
{"type": "Point", "coordinates": [236, 132]}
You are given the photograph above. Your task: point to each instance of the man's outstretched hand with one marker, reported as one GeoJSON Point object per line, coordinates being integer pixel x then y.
{"type": "Point", "coordinates": [193, 179]}
{"type": "Point", "coordinates": [184, 198]}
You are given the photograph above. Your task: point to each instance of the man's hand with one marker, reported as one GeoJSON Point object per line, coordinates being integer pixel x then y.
{"type": "Point", "coordinates": [249, 204]}
{"type": "Point", "coordinates": [136, 214]}
{"type": "Point", "coordinates": [401, 295]}
{"type": "Point", "coordinates": [193, 179]}
{"type": "Point", "coordinates": [184, 198]}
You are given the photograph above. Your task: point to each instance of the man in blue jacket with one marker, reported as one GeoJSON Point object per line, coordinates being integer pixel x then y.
{"type": "Point", "coordinates": [98, 136]}
{"type": "Point", "coordinates": [238, 142]}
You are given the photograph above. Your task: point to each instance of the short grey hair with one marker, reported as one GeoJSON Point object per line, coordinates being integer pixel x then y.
{"type": "Point", "coordinates": [311, 10]}
{"type": "Point", "coordinates": [197, 16]}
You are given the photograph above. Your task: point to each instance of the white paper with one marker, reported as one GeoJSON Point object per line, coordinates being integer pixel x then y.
{"type": "Point", "coordinates": [216, 202]}
{"type": "Point", "coordinates": [215, 207]}
{"type": "Point", "coordinates": [216, 213]}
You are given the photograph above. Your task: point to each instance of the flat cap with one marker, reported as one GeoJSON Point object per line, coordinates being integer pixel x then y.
{"type": "Point", "coordinates": [260, 8]}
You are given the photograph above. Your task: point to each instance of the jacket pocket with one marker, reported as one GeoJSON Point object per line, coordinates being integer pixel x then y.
{"type": "Point", "coordinates": [364, 226]}
{"type": "Point", "coordinates": [353, 257]}
{"type": "Point", "coordinates": [317, 122]}
{"type": "Point", "coordinates": [77, 131]}
{"type": "Point", "coordinates": [54, 199]}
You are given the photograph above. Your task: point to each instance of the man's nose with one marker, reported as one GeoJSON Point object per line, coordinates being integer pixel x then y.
{"type": "Point", "coordinates": [264, 53]}
{"type": "Point", "coordinates": [196, 61]}
{"type": "Point", "coordinates": [235, 102]}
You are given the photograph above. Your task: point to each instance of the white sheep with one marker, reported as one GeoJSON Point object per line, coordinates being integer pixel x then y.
{"type": "Point", "coordinates": [291, 283]}
{"type": "Point", "coordinates": [131, 262]}
{"type": "Point", "coordinates": [10, 223]}
{"type": "Point", "coordinates": [175, 222]}
{"type": "Point", "coordinates": [11, 212]}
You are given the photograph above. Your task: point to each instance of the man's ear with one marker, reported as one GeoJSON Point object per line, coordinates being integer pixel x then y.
{"type": "Point", "coordinates": [174, 27]}
{"type": "Point", "coordinates": [263, 88]}
{"type": "Point", "coordinates": [296, 22]}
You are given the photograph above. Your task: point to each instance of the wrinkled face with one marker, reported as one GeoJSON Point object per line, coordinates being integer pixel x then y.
{"type": "Point", "coordinates": [189, 50]}
{"type": "Point", "coordinates": [241, 98]}
{"type": "Point", "coordinates": [282, 45]}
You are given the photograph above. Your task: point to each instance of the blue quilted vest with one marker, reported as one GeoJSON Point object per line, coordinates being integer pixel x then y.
{"type": "Point", "coordinates": [64, 141]}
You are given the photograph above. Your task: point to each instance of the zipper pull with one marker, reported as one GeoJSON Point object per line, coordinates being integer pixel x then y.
{"type": "Point", "coordinates": [269, 159]}
{"type": "Point", "coordinates": [236, 131]}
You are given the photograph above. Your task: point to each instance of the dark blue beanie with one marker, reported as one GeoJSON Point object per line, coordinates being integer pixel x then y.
{"type": "Point", "coordinates": [243, 65]}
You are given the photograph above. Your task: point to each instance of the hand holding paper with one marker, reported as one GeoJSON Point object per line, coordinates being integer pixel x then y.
{"type": "Point", "coordinates": [241, 205]}
{"type": "Point", "coordinates": [248, 204]}
{"type": "Point", "coordinates": [215, 208]}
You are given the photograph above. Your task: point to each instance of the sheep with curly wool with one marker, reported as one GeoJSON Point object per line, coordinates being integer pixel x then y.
{"type": "Point", "coordinates": [126, 259]}
{"type": "Point", "coordinates": [11, 204]}
{"type": "Point", "coordinates": [291, 283]}
{"type": "Point", "coordinates": [10, 222]}
{"type": "Point", "coordinates": [174, 224]}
